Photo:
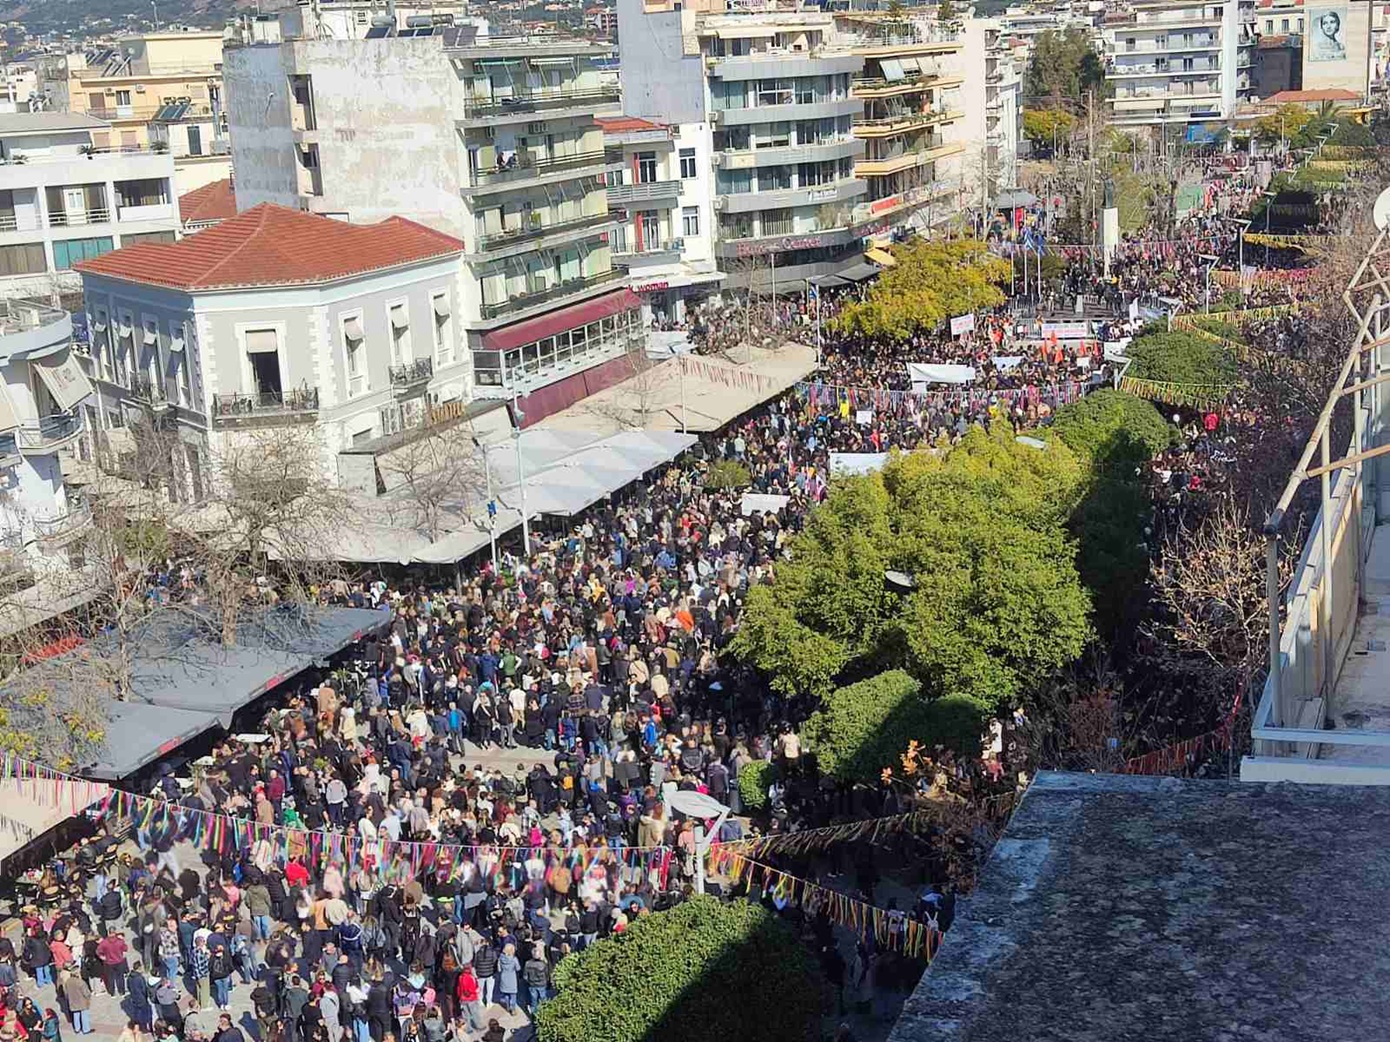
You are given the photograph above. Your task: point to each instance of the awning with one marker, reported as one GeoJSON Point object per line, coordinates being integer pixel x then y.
{"type": "Point", "coordinates": [8, 421]}
{"type": "Point", "coordinates": [539, 328]}
{"type": "Point", "coordinates": [441, 308]}
{"type": "Point", "coordinates": [892, 69]}
{"type": "Point", "coordinates": [352, 328]}
{"type": "Point", "coordinates": [99, 325]}
{"type": "Point", "coordinates": [151, 337]}
{"type": "Point", "coordinates": [262, 340]}
{"type": "Point", "coordinates": [176, 343]}
{"type": "Point", "coordinates": [123, 330]}
{"type": "Point", "coordinates": [859, 272]}
{"type": "Point", "coordinates": [880, 256]}
{"type": "Point", "coordinates": [552, 63]}
{"type": "Point", "coordinates": [398, 317]}
{"type": "Point", "coordinates": [910, 66]}
{"type": "Point", "coordinates": [828, 280]}
{"type": "Point", "coordinates": [65, 381]}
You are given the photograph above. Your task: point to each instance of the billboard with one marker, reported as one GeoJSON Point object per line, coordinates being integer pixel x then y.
{"type": "Point", "coordinates": [1336, 46]}
{"type": "Point", "coordinates": [1326, 35]}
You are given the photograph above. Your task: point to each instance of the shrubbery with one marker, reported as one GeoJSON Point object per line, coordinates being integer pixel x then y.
{"type": "Point", "coordinates": [1181, 357]}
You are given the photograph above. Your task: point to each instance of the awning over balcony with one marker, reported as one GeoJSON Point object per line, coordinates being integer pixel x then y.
{"type": "Point", "coordinates": [542, 326]}
{"type": "Point", "coordinates": [8, 420]}
{"type": "Point", "coordinates": [65, 381]}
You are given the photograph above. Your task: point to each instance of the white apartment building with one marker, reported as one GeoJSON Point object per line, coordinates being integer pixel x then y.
{"type": "Point", "coordinates": [64, 199]}
{"type": "Point", "coordinates": [661, 191]}
{"type": "Point", "coordinates": [277, 317]}
{"type": "Point", "coordinates": [364, 19]}
{"type": "Point", "coordinates": [992, 102]}
{"type": "Point", "coordinates": [490, 139]}
{"type": "Point", "coordinates": [1176, 61]}
{"type": "Point", "coordinates": [19, 89]}
{"type": "Point", "coordinates": [41, 397]}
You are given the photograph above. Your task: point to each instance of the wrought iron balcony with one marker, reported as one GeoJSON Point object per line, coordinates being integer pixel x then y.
{"type": "Point", "coordinates": [411, 372]}
{"type": "Point", "coordinates": [266, 407]}
{"type": "Point", "coordinates": [49, 433]}
{"type": "Point", "coordinates": [564, 289]}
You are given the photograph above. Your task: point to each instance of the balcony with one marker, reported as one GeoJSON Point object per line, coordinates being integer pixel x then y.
{"type": "Point", "coordinates": [63, 528]}
{"type": "Point", "coordinates": [266, 408]}
{"type": "Point", "coordinates": [96, 215]}
{"type": "Point", "coordinates": [542, 296]}
{"type": "Point", "coordinates": [540, 102]}
{"type": "Point", "coordinates": [773, 63]}
{"type": "Point", "coordinates": [538, 232]}
{"type": "Point", "coordinates": [660, 193]}
{"type": "Point", "coordinates": [523, 167]}
{"type": "Point", "coordinates": [9, 450]}
{"type": "Point", "coordinates": [411, 374]}
{"type": "Point", "coordinates": [897, 123]}
{"type": "Point", "coordinates": [661, 252]}
{"type": "Point", "coordinates": [867, 87]}
{"type": "Point", "coordinates": [808, 195]}
{"type": "Point", "coordinates": [147, 390]}
{"type": "Point", "coordinates": [49, 434]}
{"type": "Point", "coordinates": [12, 222]}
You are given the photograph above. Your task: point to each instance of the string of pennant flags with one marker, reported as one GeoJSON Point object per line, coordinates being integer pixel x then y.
{"type": "Point", "coordinates": [725, 376]}
{"type": "Point", "coordinates": [1197, 395]}
{"type": "Point", "coordinates": [828, 396]}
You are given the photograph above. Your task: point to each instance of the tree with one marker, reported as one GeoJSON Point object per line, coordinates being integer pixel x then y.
{"type": "Point", "coordinates": [1065, 65]}
{"type": "Point", "coordinates": [930, 282]}
{"type": "Point", "coordinates": [1046, 128]}
{"type": "Point", "coordinates": [438, 474]}
{"type": "Point", "coordinates": [1112, 431]}
{"type": "Point", "coordinates": [1283, 124]}
{"type": "Point", "coordinates": [691, 972]}
{"type": "Point", "coordinates": [1181, 357]}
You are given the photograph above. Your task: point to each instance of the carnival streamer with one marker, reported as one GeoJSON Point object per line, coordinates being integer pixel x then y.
{"type": "Point", "coordinates": [1202, 396]}
{"type": "Point", "coordinates": [726, 377]}
{"type": "Point", "coordinates": [828, 396]}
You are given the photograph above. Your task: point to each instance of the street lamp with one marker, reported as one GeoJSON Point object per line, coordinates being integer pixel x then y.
{"type": "Point", "coordinates": [518, 416]}
{"type": "Point", "coordinates": [1212, 259]}
{"type": "Point", "coordinates": [491, 503]}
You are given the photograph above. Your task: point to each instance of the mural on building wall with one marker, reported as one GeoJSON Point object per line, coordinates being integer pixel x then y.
{"type": "Point", "coordinates": [1326, 40]}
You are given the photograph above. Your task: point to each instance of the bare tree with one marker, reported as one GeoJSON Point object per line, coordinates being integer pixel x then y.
{"type": "Point", "coordinates": [438, 476]}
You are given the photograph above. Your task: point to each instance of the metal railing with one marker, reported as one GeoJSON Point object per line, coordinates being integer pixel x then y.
{"type": "Point", "coordinates": [25, 158]}
{"type": "Point", "coordinates": [675, 245]}
{"type": "Point", "coordinates": [63, 219]}
{"type": "Point", "coordinates": [650, 191]}
{"type": "Point", "coordinates": [538, 101]}
{"type": "Point", "coordinates": [48, 432]}
{"type": "Point", "coordinates": [78, 516]}
{"type": "Point", "coordinates": [265, 403]}
{"type": "Point", "coordinates": [496, 240]}
{"type": "Point", "coordinates": [10, 222]}
{"type": "Point", "coordinates": [411, 372]}
{"type": "Point", "coordinates": [522, 166]}
{"type": "Point", "coordinates": [564, 289]}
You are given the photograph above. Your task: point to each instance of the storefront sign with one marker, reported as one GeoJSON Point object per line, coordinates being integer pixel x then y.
{"type": "Point", "coordinates": [651, 287]}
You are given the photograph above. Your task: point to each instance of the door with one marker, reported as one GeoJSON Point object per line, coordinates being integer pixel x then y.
{"type": "Point", "coordinates": [265, 370]}
{"type": "Point", "coordinates": [75, 205]}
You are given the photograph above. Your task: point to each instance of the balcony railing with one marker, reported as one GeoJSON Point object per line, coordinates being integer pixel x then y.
{"type": "Point", "coordinates": [153, 391]}
{"type": "Point", "coordinates": [79, 515]}
{"type": "Point", "coordinates": [538, 101]}
{"type": "Point", "coordinates": [96, 215]}
{"type": "Point", "coordinates": [10, 222]}
{"type": "Point", "coordinates": [267, 404]}
{"type": "Point", "coordinates": [497, 240]}
{"type": "Point", "coordinates": [522, 166]}
{"type": "Point", "coordinates": [651, 191]}
{"type": "Point", "coordinates": [49, 432]}
{"type": "Point", "coordinates": [564, 289]}
{"type": "Point", "coordinates": [649, 250]}
{"type": "Point", "coordinates": [409, 373]}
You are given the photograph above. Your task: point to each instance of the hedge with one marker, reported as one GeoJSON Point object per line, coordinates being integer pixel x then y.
{"type": "Point", "coordinates": [1111, 429]}
{"type": "Point", "coordinates": [754, 778]}
{"type": "Point", "coordinates": [863, 728]}
{"type": "Point", "coordinates": [1180, 357]}
{"type": "Point", "coordinates": [702, 970]}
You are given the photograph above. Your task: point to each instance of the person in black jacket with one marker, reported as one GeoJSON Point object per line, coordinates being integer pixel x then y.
{"type": "Point", "coordinates": [378, 1008]}
{"type": "Point", "coordinates": [139, 1003]}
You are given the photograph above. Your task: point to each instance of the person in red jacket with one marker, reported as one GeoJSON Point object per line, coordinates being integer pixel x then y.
{"type": "Point", "coordinates": [470, 1006]}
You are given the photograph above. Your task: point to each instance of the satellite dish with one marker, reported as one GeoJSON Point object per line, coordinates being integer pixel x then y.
{"type": "Point", "coordinates": [1381, 211]}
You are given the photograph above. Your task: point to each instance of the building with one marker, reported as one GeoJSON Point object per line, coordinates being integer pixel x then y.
{"type": "Point", "coordinates": [1279, 17]}
{"type": "Point", "coordinates": [162, 90]}
{"type": "Point", "coordinates": [1174, 61]}
{"type": "Point", "coordinates": [19, 90]}
{"type": "Point", "coordinates": [1132, 896]}
{"type": "Point", "coordinates": [913, 120]}
{"type": "Point", "coordinates": [359, 19]}
{"type": "Point", "coordinates": [661, 190]}
{"type": "Point", "coordinates": [44, 388]}
{"type": "Point", "coordinates": [490, 139]}
{"type": "Point", "coordinates": [992, 102]}
{"type": "Point", "coordinates": [1278, 66]}
{"type": "Point", "coordinates": [775, 87]}
{"type": "Point", "coordinates": [204, 207]}
{"type": "Point", "coordinates": [276, 317]}
{"type": "Point", "coordinates": [64, 198]}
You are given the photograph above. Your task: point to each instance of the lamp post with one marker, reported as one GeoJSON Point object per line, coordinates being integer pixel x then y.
{"type": "Point", "coordinates": [519, 415]}
{"type": "Point", "coordinates": [680, 362]}
{"type": "Point", "coordinates": [491, 502]}
{"type": "Point", "coordinates": [1211, 263]}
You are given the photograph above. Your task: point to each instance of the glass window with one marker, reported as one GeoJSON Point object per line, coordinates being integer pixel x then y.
{"type": "Point", "coordinates": [651, 230]}
{"type": "Point", "coordinates": [777, 222]}
{"type": "Point", "coordinates": [690, 221]}
{"type": "Point", "coordinates": [687, 164]}
{"type": "Point", "coordinates": [774, 178]}
{"type": "Point", "coordinates": [147, 191]}
{"type": "Point", "coordinates": [774, 92]}
{"type": "Point", "coordinates": [68, 252]}
{"type": "Point", "coordinates": [26, 259]}
{"type": "Point", "coordinates": [646, 168]}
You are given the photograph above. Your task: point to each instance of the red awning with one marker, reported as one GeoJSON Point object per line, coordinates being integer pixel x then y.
{"type": "Point", "coordinates": [542, 326]}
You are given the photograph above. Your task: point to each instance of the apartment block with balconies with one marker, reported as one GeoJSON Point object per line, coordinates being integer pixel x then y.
{"type": "Point", "coordinates": [912, 118]}
{"type": "Point", "coordinates": [1174, 61]}
{"type": "Point", "coordinates": [42, 403]}
{"type": "Point", "coordinates": [64, 199]}
{"type": "Point", "coordinates": [489, 138]}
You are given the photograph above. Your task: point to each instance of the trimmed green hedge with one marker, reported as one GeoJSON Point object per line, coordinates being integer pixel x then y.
{"type": "Point", "coordinates": [1182, 358]}
{"type": "Point", "coordinates": [754, 778]}
{"type": "Point", "coordinates": [1109, 428]}
{"type": "Point", "coordinates": [702, 970]}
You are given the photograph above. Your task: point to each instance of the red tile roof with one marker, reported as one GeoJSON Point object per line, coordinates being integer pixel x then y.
{"type": "Point", "coordinates": [274, 246]}
{"type": "Point", "coordinates": [1286, 97]}
{"type": "Point", "coordinates": [213, 202]}
{"type": "Point", "coordinates": [625, 124]}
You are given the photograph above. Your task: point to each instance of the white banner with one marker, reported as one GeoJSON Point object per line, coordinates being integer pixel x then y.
{"type": "Point", "coordinates": [1006, 362]}
{"type": "Point", "coordinates": [961, 324]}
{"type": "Point", "coordinates": [762, 503]}
{"type": "Point", "coordinates": [844, 463]}
{"type": "Point", "coordinates": [864, 417]}
{"type": "Point", "coordinates": [1066, 330]}
{"type": "Point", "coordinates": [1115, 350]}
{"type": "Point", "coordinates": [943, 373]}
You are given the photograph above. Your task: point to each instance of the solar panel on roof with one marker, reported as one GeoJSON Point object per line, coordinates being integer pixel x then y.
{"type": "Point", "coordinates": [378, 32]}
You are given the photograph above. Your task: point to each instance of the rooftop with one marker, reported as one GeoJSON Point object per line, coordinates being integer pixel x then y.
{"type": "Point", "coordinates": [16, 123]}
{"type": "Point", "coordinates": [626, 124]}
{"type": "Point", "coordinates": [212, 202]}
{"type": "Point", "coordinates": [1123, 907]}
{"type": "Point", "coordinates": [273, 246]}
{"type": "Point", "coordinates": [1287, 97]}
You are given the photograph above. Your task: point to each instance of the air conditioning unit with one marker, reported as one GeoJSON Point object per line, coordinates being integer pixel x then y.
{"type": "Point", "coordinates": [719, 202]}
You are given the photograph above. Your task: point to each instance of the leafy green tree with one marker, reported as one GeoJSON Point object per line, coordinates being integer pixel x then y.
{"type": "Point", "coordinates": [693, 972]}
{"type": "Point", "coordinates": [957, 722]}
{"type": "Point", "coordinates": [1181, 357]}
{"type": "Point", "coordinates": [930, 282]}
{"type": "Point", "coordinates": [1090, 425]}
{"type": "Point", "coordinates": [1064, 65]}
{"type": "Point", "coordinates": [863, 728]}
{"type": "Point", "coordinates": [1047, 128]}
{"type": "Point", "coordinates": [754, 779]}
{"type": "Point", "coordinates": [1283, 124]}
{"type": "Point", "coordinates": [728, 474]}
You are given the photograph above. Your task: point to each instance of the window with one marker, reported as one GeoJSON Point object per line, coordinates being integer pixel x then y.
{"type": "Point", "coordinates": [400, 334]}
{"type": "Point", "coordinates": [1283, 25]}
{"type": "Point", "coordinates": [646, 168]}
{"type": "Point", "coordinates": [651, 230]}
{"type": "Point", "coordinates": [68, 252]}
{"type": "Point", "coordinates": [687, 164]}
{"type": "Point", "coordinates": [777, 222]}
{"type": "Point", "coordinates": [122, 97]}
{"type": "Point", "coordinates": [130, 239]}
{"type": "Point", "coordinates": [27, 259]}
{"type": "Point", "coordinates": [774, 178]}
{"type": "Point", "coordinates": [195, 139]}
{"type": "Point", "coordinates": [443, 329]}
{"type": "Point", "coordinates": [148, 191]}
{"type": "Point", "coordinates": [774, 92]}
{"type": "Point", "coordinates": [180, 360]}
{"type": "Point", "coordinates": [690, 221]}
{"type": "Point", "coordinates": [778, 135]}
{"type": "Point", "coordinates": [263, 357]}
{"type": "Point", "coordinates": [355, 355]}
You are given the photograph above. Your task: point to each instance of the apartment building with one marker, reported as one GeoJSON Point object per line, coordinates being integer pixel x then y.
{"type": "Point", "coordinates": [42, 392]}
{"type": "Point", "coordinates": [361, 19]}
{"type": "Point", "coordinates": [660, 189]}
{"type": "Point", "coordinates": [992, 102]}
{"type": "Point", "coordinates": [491, 139]}
{"type": "Point", "coordinates": [1279, 17]}
{"type": "Point", "coordinates": [912, 123]}
{"type": "Point", "coordinates": [276, 317]}
{"type": "Point", "coordinates": [1177, 61]}
{"type": "Point", "coordinates": [19, 89]}
{"type": "Point", "coordinates": [65, 198]}
{"type": "Point", "coordinates": [161, 90]}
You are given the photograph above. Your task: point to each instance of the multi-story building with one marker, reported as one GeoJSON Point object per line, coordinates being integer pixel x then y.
{"type": "Point", "coordinates": [491, 139]}
{"type": "Point", "coordinates": [1175, 61]}
{"type": "Point", "coordinates": [775, 85]}
{"type": "Point", "coordinates": [913, 117]}
{"type": "Point", "coordinates": [361, 19]}
{"type": "Point", "coordinates": [19, 89]}
{"type": "Point", "coordinates": [276, 317]}
{"type": "Point", "coordinates": [1279, 17]}
{"type": "Point", "coordinates": [660, 190]}
{"type": "Point", "coordinates": [41, 400]}
{"type": "Point", "coordinates": [64, 198]}
{"type": "Point", "coordinates": [992, 101]}
{"type": "Point", "coordinates": [162, 90]}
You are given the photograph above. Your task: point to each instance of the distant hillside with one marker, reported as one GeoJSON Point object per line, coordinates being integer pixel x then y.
{"type": "Point", "coordinates": [82, 17]}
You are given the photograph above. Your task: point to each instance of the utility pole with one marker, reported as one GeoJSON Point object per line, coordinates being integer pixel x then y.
{"type": "Point", "coordinates": [1091, 157]}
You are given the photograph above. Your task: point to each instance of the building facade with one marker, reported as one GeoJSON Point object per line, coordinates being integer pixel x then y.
{"type": "Point", "coordinates": [660, 190]}
{"type": "Point", "coordinates": [64, 198]}
{"type": "Point", "coordinates": [1177, 61]}
{"type": "Point", "coordinates": [276, 317]}
{"type": "Point", "coordinates": [490, 139]}
{"type": "Point", "coordinates": [992, 102]}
